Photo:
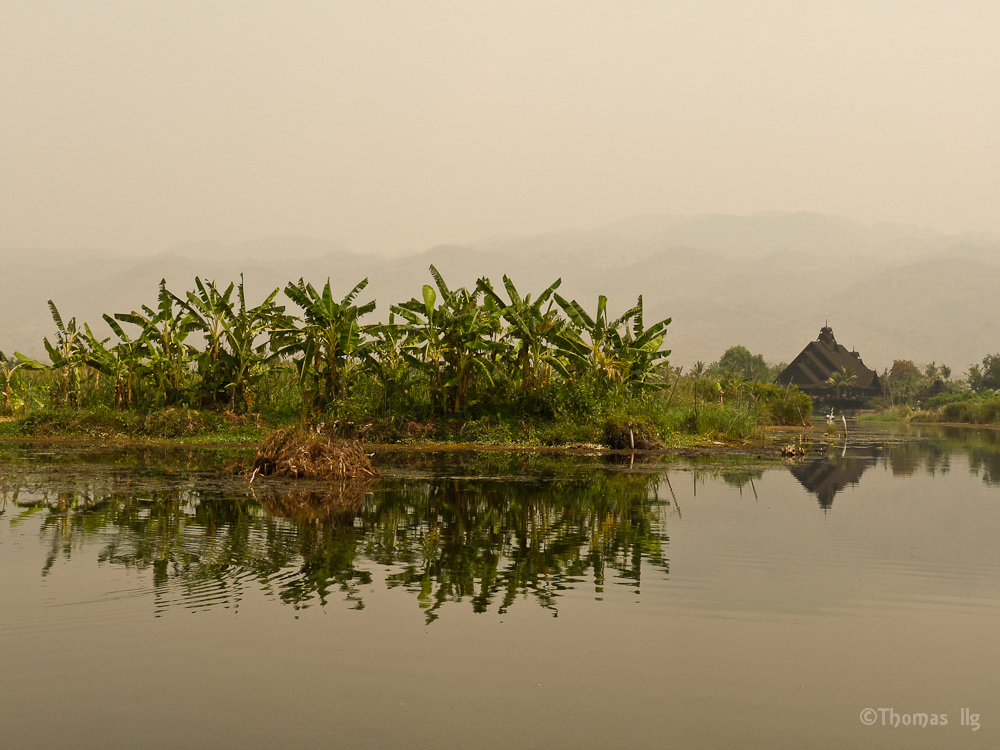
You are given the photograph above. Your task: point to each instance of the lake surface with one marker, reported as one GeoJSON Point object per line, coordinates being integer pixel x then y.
{"type": "Point", "coordinates": [148, 598]}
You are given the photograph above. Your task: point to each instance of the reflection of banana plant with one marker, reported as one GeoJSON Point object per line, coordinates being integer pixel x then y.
{"type": "Point", "coordinates": [445, 540]}
{"type": "Point", "coordinates": [329, 340]}
{"type": "Point", "coordinates": [452, 341]}
{"type": "Point", "coordinates": [492, 543]}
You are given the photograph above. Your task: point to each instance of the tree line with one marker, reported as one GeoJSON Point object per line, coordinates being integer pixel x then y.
{"type": "Point", "coordinates": [453, 348]}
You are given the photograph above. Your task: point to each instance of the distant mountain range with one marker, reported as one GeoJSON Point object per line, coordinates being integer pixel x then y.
{"type": "Point", "coordinates": [767, 281]}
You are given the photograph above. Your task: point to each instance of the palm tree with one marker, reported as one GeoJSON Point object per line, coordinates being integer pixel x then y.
{"type": "Point", "coordinates": [843, 378]}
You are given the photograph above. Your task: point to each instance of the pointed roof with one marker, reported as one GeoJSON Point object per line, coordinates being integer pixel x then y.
{"type": "Point", "coordinates": [823, 357]}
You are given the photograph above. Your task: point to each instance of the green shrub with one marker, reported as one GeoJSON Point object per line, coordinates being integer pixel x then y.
{"type": "Point", "coordinates": [897, 413]}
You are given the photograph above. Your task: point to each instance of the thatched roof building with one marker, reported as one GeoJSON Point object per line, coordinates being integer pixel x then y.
{"type": "Point", "coordinates": [817, 363]}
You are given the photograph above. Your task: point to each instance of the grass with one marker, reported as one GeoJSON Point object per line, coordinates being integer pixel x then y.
{"type": "Point", "coordinates": [897, 413]}
{"type": "Point", "coordinates": [175, 424]}
{"type": "Point", "coordinates": [559, 414]}
{"type": "Point", "coordinates": [654, 427]}
{"type": "Point", "coordinates": [963, 407]}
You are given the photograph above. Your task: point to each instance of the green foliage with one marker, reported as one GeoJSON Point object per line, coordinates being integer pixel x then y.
{"type": "Point", "coordinates": [738, 361]}
{"type": "Point", "coordinates": [450, 364]}
{"type": "Point", "coordinates": [539, 336]}
{"type": "Point", "coordinates": [951, 397]}
{"type": "Point", "coordinates": [904, 381]}
{"type": "Point", "coordinates": [163, 350]}
{"type": "Point", "coordinates": [983, 408]}
{"type": "Point", "coordinates": [896, 413]}
{"type": "Point", "coordinates": [986, 377]}
{"type": "Point", "coordinates": [68, 355]}
{"type": "Point", "coordinates": [327, 344]}
{"type": "Point", "coordinates": [842, 381]}
{"type": "Point", "coordinates": [454, 342]}
{"type": "Point", "coordinates": [616, 353]}
{"type": "Point", "coordinates": [66, 421]}
{"type": "Point", "coordinates": [783, 406]}
{"type": "Point", "coordinates": [732, 423]}
{"type": "Point", "coordinates": [11, 384]}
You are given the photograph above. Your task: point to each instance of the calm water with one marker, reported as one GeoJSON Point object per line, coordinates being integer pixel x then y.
{"type": "Point", "coordinates": [149, 599]}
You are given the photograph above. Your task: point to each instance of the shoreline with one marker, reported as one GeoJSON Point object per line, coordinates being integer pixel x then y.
{"type": "Point", "coordinates": [765, 447]}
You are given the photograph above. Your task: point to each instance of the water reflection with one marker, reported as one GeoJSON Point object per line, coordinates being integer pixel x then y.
{"type": "Point", "coordinates": [907, 450]}
{"type": "Point", "coordinates": [484, 531]}
{"type": "Point", "coordinates": [824, 477]}
{"type": "Point", "coordinates": [484, 542]}
{"type": "Point", "coordinates": [451, 539]}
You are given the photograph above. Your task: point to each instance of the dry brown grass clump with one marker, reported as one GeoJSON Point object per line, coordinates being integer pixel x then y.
{"type": "Point", "coordinates": [306, 455]}
{"type": "Point", "coordinates": [637, 436]}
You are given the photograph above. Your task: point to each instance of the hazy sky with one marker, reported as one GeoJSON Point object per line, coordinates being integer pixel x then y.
{"type": "Point", "coordinates": [396, 125]}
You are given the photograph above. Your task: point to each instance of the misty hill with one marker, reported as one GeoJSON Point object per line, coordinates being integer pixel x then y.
{"type": "Point", "coordinates": [767, 281]}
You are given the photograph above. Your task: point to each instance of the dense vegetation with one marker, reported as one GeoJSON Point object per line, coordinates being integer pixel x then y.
{"type": "Point", "coordinates": [484, 364]}
{"type": "Point", "coordinates": [930, 394]}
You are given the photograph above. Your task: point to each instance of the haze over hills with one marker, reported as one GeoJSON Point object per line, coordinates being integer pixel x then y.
{"type": "Point", "coordinates": [767, 281]}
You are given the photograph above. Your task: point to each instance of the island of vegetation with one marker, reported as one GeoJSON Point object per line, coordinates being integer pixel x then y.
{"type": "Point", "coordinates": [482, 366]}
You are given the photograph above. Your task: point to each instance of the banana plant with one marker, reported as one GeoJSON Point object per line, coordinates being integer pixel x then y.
{"type": "Point", "coordinates": [166, 353]}
{"type": "Point", "coordinates": [454, 342]}
{"type": "Point", "coordinates": [246, 356]}
{"type": "Point", "coordinates": [329, 339]}
{"type": "Point", "coordinates": [121, 362]}
{"type": "Point", "coordinates": [537, 328]}
{"type": "Point", "coordinates": [615, 354]}
{"type": "Point", "coordinates": [8, 369]}
{"type": "Point", "coordinates": [208, 310]}
{"type": "Point", "coordinates": [640, 347]}
{"type": "Point", "coordinates": [68, 354]}
{"type": "Point", "coordinates": [383, 352]}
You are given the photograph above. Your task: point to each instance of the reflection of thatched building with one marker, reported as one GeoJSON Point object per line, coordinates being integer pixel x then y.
{"type": "Point", "coordinates": [825, 478]}
{"type": "Point", "coordinates": [818, 362]}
